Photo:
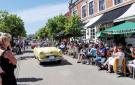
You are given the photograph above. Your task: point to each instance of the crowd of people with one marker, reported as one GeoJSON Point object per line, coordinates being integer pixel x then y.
{"type": "Point", "coordinates": [119, 58]}
{"type": "Point", "coordinates": [7, 61]}
{"type": "Point", "coordinates": [19, 45]}
{"type": "Point", "coordinates": [116, 58]}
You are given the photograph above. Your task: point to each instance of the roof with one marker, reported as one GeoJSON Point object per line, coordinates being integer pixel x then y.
{"type": "Point", "coordinates": [129, 14]}
{"type": "Point", "coordinates": [111, 15]}
{"type": "Point", "coordinates": [73, 1]}
{"type": "Point", "coordinates": [93, 20]}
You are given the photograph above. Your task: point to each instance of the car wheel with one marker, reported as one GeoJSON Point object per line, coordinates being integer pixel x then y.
{"type": "Point", "coordinates": [35, 57]}
{"type": "Point", "coordinates": [40, 63]}
{"type": "Point", "coordinates": [59, 61]}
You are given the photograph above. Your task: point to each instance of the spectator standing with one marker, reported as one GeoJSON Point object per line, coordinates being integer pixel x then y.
{"type": "Point", "coordinates": [62, 47]}
{"type": "Point", "coordinates": [8, 61]}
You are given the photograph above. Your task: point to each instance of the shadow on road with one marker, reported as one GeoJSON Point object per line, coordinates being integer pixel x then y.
{"type": "Point", "coordinates": [52, 64]}
{"type": "Point", "coordinates": [22, 84]}
{"type": "Point", "coordinates": [25, 57]}
{"type": "Point", "coordinates": [121, 75]}
{"type": "Point", "coordinates": [28, 51]}
{"type": "Point", "coordinates": [29, 79]}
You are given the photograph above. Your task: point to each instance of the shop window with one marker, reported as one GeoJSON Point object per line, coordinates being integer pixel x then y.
{"type": "Point", "coordinates": [101, 29]}
{"type": "Point", "coordinates": [87, 31]}
{"type": "Point", "coordinates": [92, 33]}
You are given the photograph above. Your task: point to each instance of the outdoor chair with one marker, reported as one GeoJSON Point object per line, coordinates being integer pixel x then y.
{"type": "Point", "coordinates": [117, 67]}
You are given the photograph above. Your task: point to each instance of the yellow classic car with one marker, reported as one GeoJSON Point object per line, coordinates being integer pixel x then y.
{"type": "Point", "coordinates": [48, 54]}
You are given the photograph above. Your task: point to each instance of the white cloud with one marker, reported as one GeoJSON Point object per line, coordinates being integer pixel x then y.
{"type": "Point", "coordinates": [32, 17]}
{"type": "Point", "coordinates": [42, 12]}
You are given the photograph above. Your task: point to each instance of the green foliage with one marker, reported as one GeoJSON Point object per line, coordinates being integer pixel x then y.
{"type": "Point", "coordinates": [43, 33]}
{"type": "Point", "coordinates": [12, 24]}
{"type": "Point", "coordinates": [59, 24]}
{"type": "Point", "coordinates": [56, 25]}
{"type": "Point", "coordinates": [74, 26]}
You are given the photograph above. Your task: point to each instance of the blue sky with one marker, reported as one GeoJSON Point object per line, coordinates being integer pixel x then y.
{"type": "Point", "coordinates": [35, 13]}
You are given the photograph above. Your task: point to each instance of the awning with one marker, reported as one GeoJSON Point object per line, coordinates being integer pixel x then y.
{"type": "Point", "coordinates": [111, 15]}
{"type": "Point", "coordinates": [129, 14]}
{"type": "Point", "coordinates": [100, 34]}
{"type": "Point", "coordinates": [93, 20]}
{"type": "Point", "coordinates": [127, 27]}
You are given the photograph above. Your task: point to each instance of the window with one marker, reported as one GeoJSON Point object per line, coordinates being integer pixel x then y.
{"type": "Point", "coordinates": [117, 1]}
{"type": "Point", "coordinates": [87, 31]}
{"type": "Point", "coordinates": [83, 11]}
{"type": "Point", "coordinates": [92, 33]}
{"type": "Point", "coordinates": [74, 11]}
{"type": "Point", "coordinates": [91, 8]}
{"type": "Point", "coordinates": [101, 5]}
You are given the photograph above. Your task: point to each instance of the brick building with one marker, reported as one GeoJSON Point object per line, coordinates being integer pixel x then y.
{"type": "Point", "coordinates": [102, 14]}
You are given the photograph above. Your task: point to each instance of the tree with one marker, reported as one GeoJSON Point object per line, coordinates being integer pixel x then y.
{"type": "Point", "coordinates": [56, 24]}
{"type": "Point", "coordinates": [43, 33]}
{"type": "Point", "coordinates": [73, 26]}
{"type": "Point", "coordinates": [40, 33]}
{"type": "Point", "coordinates": [11, 23]}
{"type": "Point", "coordinates": [61, 25]}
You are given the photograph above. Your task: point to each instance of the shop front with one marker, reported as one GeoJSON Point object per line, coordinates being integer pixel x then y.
{"type": "Point", "coordinates": [122, 33]}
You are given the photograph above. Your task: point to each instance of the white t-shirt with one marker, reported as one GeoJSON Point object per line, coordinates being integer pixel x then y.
{"type": "Point", "coordinates": [62, 46]}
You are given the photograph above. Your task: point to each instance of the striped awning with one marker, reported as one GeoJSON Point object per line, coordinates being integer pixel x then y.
{"type": "Point", "coordinates": [124, 28]}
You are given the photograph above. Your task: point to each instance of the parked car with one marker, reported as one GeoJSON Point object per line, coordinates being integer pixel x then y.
{"type": "Point", "coordinates": [48, 54]}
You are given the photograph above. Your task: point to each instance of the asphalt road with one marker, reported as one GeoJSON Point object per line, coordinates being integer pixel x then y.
{"type": "Point", "coordinates": [29, 72]}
